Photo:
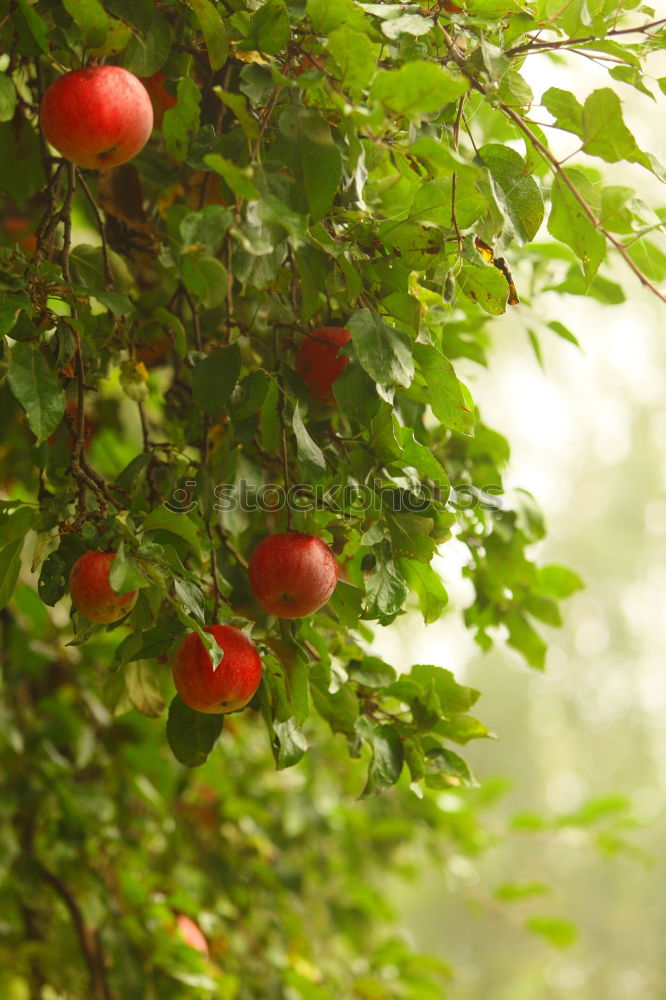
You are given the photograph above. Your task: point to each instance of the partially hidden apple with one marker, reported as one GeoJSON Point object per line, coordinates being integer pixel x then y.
{"type": "Point", "coordinates": [292, 574]}
{"type": "Point", "coordinates": [191, 934]}
{"type": "Point", "coordinates": [91, 591]}
{"type": "Point", "coordinates": [98, 116]}
{"type": "Point", "coordinates": [160, 98]}
{"type": "Point", "coordinates": [318, 362]}
{"type": "Point", "coordinates": [224, 688]}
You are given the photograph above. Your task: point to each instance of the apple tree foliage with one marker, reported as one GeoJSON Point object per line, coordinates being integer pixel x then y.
{"type": "Point", "coordinates": [380, 166]}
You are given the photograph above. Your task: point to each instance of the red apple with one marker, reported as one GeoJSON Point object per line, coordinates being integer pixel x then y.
{"type": "Point", "coordinates": [97, 117]}
{"type": "Point", "coordinates": [192, 934]}
{"type": "Point", "coordinates": [317, 360]}
{"type": "Point", "coordinates": [91, 591]}
{"type": "Point", "coordinates": [292, 574]}
{"type": "Point", "coordinates": [160, 98]}
{"type": "Point", "coordinates": [219, 689]}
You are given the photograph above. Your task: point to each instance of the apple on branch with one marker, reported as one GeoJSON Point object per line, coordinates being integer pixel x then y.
{"type": "Point", "coordinates": [98, 116]}
{"type": "Point", "coordinates": [224, 688]}
{"type": "Point", "coordinates": [91, 591]}
{"type": "Point", "coordinates": [318, 362]}
{"type": "Point", "coordinates": [292, 574]}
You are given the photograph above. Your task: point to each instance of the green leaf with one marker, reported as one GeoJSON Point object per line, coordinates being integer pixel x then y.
{"type": "Point", "coordinates": [149, 48]}
{"type": "Point", "coordinates": [387, 756]}
{"type": "Point", "coordinates": [269, 29]}
{"type": "Point", "coordinates": [311, 461]}
{"type": "Point", "coordinates": [11, 306]}
{"type": "Point", "coordinates": [206, 228]}
{"type": "Point", "coordinates": [384, 352]}
{"type": "Point", "coordinates": [142, 682]}
{"type": "Point", "coordinates": [356, 393]}
{"type": "Point", "coordinates": [125, 574]}
{"type": "Point", "coordinates": [556, 930]}
{"type": "Point", "coordinates": [206, 278]}
{"type": "Point", "coordinates": [525, 640]}
{"type": "Point", "coordinates": [562, 331]}
{"type": "Point", "coordinates": [560, 581]}
{"type": "Point", "coordinates": [516, 892]}
{"type": "Point", "coordinates": [605, 134]}
{"type": "Point", "coordinates": [294, 665]}
{"type": "Point", "coordinates": [238, 105]}
{"type": "Point", "coordinates": [191, 598]}
{"type": "Point", "coordinates": [445, 769]}
{"type": "Point", "coordinates": [214, 32]}
{"type": "Point", "coordinates": [407, 24]}
{"type": "Point", "coordinates": [214, 378]}
{"type": "Point", "coordinates": [318, 158]}
{"type": "Point", "coordinates": [432, 202]}
{"type": "Point", "coordinates": [191, 735]}
{"type": "Point", "coordinates": [427, 585]}
{"type": "Point", "coordinates": [346, 602]}
{"type": "Point", "coordinates": [35, 387]}
{"type": "Point", "coordinates": [248, 395]}
{"type": "Point", "coordinates": [7, 98]}
{"type": "Point", "coordinates": [289, 744]}
{"type": "Point", "coordinates": [565, 109]}
{"type": "Point", "coordinates": [371, 672]}
{"type": "Point", "coordinates": [355, 54]}
{"type": "Point", "coordinates": [410, 536]}
{"type": "Point", "coordinates": [162, 519]}
{"type": "Point", "coordinates": [417, 87]}
{"type": "Point", "coordinates": [444, 392]}
{"type": "Point", "coordinates": [485, 285]}
{"type": "Point", "coordinates": [182, 121]}
{"type": "Point", "coordinates": [92, 20]}
{"type": "Point", "coordinates": [239, 179]}
{"type": "Point", "coordinates": [514, 189]}
{"type": "Point", "coordinates": [385, 593]}
{"type": "Point", "coordinates": [569, 223]}
{"type": "Point", "coordinates": [35, 25]}
{"type": "Point", "coordinates": [326, 15]}
{"type": "Point", "coordinates": [10, 564]}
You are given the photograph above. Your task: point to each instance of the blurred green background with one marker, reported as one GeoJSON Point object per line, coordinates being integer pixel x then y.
{"type": "Point", "coordinates": [583, 745]}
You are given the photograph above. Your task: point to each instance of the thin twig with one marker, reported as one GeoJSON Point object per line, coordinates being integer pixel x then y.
{"type": "Point", "coordinates": [534, 45]}
{"type": "Point", "coordinates": [454, 176]}
{"type": "Point", "coordinates": [100, 225]}
{"type": "Point", "coordinates": [195, 318]}
{"type": "Point", "coordinates": [88, 939]}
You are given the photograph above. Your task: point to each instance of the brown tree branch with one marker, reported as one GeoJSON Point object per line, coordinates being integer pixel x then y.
{"type": "Point", "coordinates": [534, 45]}
{"type": "Point", "coordinates": [88, 939]}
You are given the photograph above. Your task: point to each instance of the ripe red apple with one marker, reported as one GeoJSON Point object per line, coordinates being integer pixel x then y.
{"type": "Point", "coordinates": [292, 574]}
{"type": "Point", "coordinates": [317, 360]}
{"type": "Point", "coordinates": [191, 934]}
{"type": "Point", "coordinates": [224, 688]}
{"type": "Point", "coordinates": [160, 98]}
{"type": "Point", "coordinates": [97, 117]}
{"type": "Point", "coordinates": [91, 591]}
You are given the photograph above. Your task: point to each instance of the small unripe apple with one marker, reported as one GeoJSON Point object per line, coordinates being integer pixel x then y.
{"type": "Point", "coordinates": [97, 117]}
{"type": "Point", "coordinates": [219, 689]}
{"type": "Point", "coordinates": [292, 574]}
{"type": "Point", "coordinates": [317, 360]}
{"type": "Point", "coordinates": [91, 591]}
